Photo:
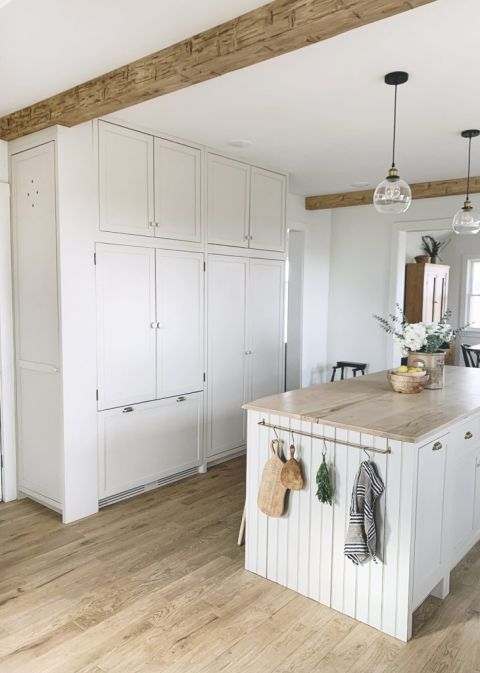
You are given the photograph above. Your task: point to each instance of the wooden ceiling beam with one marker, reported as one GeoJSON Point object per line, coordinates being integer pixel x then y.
{"type": "Point", "coordinates": [420, 190]}
{"type": "Point", "coordinates": [277, 28]}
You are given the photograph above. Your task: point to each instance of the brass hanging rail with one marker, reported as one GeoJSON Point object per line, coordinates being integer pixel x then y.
{"type": "Point", "coordinates": [282, 428]}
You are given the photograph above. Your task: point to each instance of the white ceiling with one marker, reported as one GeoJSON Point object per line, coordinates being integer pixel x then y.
{"type": "Point", "coordinates": [322, 113]}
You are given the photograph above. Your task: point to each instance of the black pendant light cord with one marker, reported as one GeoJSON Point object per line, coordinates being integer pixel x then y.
{"type": "Point", "coordinates": [394, 126]}
{"type": "Point", "coordinates": [468, 171]}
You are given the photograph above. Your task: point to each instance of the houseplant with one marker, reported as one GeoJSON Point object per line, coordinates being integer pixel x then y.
{"type": "Point", "coordinates": [421, 342]}
{"type": "Point", "coordinates": [432, 247]}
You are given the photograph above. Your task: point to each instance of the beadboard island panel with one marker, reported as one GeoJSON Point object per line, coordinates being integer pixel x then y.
{"type": "Point", "coordinates": [368, 404]}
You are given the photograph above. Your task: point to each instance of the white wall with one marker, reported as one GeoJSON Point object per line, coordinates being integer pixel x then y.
{"type": "Point", "coordinates": [7, 366]}
{"type": "Point", "coordinates": [317, 228]}
{"type": "Point", "coordinates": [366, 251]}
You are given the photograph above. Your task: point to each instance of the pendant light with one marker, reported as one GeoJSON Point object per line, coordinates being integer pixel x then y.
{"type": "Point", "coordinates": [466, 220]}
{"type": "Point", "coordinates": [393, 195]}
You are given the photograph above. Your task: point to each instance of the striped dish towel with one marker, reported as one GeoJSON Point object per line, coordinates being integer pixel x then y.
{"type": "Point", "coordinates": [361, 540]}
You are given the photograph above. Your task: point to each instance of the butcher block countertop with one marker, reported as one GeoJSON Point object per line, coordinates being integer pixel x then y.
{"type": "Point", "coordinates": [368, 404]}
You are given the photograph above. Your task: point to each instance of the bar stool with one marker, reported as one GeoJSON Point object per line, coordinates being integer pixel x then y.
{"type": "Point", "coordinates": [345, 364]}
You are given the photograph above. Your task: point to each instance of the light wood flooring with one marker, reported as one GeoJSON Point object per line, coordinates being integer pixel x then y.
{"type": "Point", "coordinates": [156, 585]}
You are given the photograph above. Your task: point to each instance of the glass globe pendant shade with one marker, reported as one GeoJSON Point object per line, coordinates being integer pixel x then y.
{"type": "Point", "coordinates": [466, 220]}
{"type": "Point", "coordinates": [393, 195]}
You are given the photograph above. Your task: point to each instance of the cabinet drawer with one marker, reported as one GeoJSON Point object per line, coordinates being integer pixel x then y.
{"type": "Point", "coordinates": [466, 436]}
{"type": "Point", "coordinates": [141, 443]}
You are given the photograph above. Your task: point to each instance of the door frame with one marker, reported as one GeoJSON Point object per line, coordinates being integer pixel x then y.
{"type": "Point", "coordinates": [398, 248]}
{"type": "Point", "coordinates": [8, 447]}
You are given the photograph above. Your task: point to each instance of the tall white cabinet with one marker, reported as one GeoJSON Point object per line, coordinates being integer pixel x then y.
{"type": "Point", "coordinates": [245, 343]}
{"type": "Point", "coordinates": [148, 277]}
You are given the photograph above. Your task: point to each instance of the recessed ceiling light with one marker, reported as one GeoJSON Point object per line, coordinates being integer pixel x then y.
{"type": "Point", "coordinates": [240, 142]}
{"type": "Point", "coordinates": [360, 184]}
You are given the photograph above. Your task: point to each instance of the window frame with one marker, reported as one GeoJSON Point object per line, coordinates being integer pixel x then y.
{"type": "Point", "coordinates": [467, 293]}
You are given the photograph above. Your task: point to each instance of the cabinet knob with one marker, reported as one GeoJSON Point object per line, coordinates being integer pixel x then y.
{"type": "Point", "coordinates": [127, 410]}
{"type": "Point", "coordinates": [154, 325]}
{"type": "Point", "coordinates": [437, 446]}
{"type": "Point", "coordinates": [182, 398]}
{"type": "Point", "coordinates": [151, 224]}
{"type": "Point", "coordinates": [468, 435]}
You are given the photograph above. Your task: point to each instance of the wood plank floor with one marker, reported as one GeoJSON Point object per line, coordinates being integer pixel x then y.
{"type": "Point", "coordinates": [156, 585]}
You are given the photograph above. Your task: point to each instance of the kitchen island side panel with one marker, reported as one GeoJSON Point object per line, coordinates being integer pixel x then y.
{"type": "Point", "coordinates": [303, 549]}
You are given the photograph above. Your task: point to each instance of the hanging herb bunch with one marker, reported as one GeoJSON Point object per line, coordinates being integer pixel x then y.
{"type": "Point", "coordinates": [324, 481]}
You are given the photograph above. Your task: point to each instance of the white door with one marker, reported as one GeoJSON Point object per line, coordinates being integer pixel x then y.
{"type": "Point", "coordinates": [226, 379]}
{"type": "Point", "coordinates": [145, 442]}
{"type": "Point", "coordinates": [177, 191]}
{"type": "Point", "coordinates": [228, 201]}
{"type": "Point", "coordinates": [180, 289]}
{"type": "Point", "coordinates": [265, 327]}
{"type": "Point", "coordinates": [267, 210]}
{"type": "Point", "coordinates": [126, 325]}
{"type": "Point", "coordinates": [125, 166]}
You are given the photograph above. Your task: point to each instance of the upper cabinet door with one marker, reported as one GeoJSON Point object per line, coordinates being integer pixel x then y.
{"type": "Point", "coordinates": [177, 191]}
{"type": "Point", "coordinates": [125, 180]}
{"type": "Point", "coordinates": [267, 210]}
{"type": "Point", "coordinates": [228, 201]}
{"type": "Point", "coordinates": [126, 325]}
{"type": "Point", "coordinates": [180, 322]}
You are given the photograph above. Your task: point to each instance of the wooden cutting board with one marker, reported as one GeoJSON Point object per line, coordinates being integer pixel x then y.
{"type": "Point", "coordinates": [271, 494]}
{"type": "Point", "coordinates": [291, 475]}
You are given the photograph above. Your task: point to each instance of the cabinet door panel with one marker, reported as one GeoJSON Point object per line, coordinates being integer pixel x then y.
{"type": "Point", "coordinates": [126, 311]}
{"type": "Point", "coordinates": [267, 210]}
{"type": "Point", "coordinates": [125, 180]}
{"type": "Point", "coordinates": [464, 499]}
{"type": "Point", "coordinates": [265, 320]}
{"type": "Point", "coordinates": [228, 201]}
{"type": "Point", "coordinates": [177, 191]}
{"type": "Point", "coordinates": [476, 513]}
{"type": "Point", "coordinates": [146, 442]}
{"type": "Point", "coordinates": [180, 316]}
{"type": "Point", "coordinates": [227, 278]}
{"type": "Point", "coordinates": [429, 524]}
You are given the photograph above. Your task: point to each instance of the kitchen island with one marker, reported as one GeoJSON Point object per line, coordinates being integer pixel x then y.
{"type": "Point", "coordinates": [426, 448]}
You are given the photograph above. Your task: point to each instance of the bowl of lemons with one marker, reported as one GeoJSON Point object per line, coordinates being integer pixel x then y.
{"type": "Point", "coordinates": [407, 380]}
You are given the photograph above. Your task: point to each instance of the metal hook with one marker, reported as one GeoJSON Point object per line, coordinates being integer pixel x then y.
{"type": "Point", "coordinates": [324, 452]}
{"type": "Point", "coordinates": [276, 433]}
{"type": "Point", "coordinates": [367, 454]}
{"type": "Point", "coordinates": [293, 438]}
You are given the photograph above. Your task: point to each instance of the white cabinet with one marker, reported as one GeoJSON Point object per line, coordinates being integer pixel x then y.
{"type": "Point", "coordinates": [150, 324]}
{"type": "Point", "coordinates": [267, 210]}
{"type": "Point", "coordinates": [476, 510]}
{"type": "Point", "coordinates": [430, 549]}
{"type": "Point", "coordinates": [143, 443]}
{"type": "Point", "coordinates": [37, 343]}
{"type": "Point", "coordinates": [245, 205]}
{"type": "Point", "coordinates": [177, 191]}
{"type": "Point", "coordinates": [180, 322]}
{"type": "Point", "coordinates": [126, 326]}
{"type": "Point", "coordinates": [125, 180]}
{"type": "Point", "coordinates": [265, 317]}
{"type": "Point", "coordinates": [245, 342]}
{"type": "Point", "coordinates": [228, 201]}
{"type": "Point", "coordinates": [148, 186]}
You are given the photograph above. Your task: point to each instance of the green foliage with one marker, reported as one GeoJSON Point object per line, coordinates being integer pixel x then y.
{"type": "Point", "coordinates": [432, 247]}
{"type": "Point", "coordinates": [324, 484]}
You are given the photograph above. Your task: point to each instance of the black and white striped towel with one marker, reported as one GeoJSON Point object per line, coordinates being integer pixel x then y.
{"type": "Point", "coordinates": [361, 540]}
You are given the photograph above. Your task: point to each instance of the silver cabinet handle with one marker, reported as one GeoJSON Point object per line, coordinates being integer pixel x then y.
{"type": "Point", "coordinates": [437, 446]}
{"type": "Point", "coordinates": [247, 237]}
{"type": "Point", "coordinates": [468, 435]}
{"type": "Point", "coordinates": [248, 352]}
{"type": "Point", "coordinates": [127, 410]}
{"type": "Point", "coordinates": [182, 398]}
{"type": "Point", "coordinates": [156, 325]}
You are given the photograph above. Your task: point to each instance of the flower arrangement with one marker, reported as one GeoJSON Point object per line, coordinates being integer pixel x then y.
{"type": "Point", "coordinates": [418, 337]}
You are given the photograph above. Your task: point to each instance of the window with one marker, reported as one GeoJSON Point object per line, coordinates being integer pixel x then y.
{"type": "Point", "coordinates": [472, 294]}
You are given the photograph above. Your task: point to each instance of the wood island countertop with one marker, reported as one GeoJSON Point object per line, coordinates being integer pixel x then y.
{"type": "Point", "coordinates": [368, 404]}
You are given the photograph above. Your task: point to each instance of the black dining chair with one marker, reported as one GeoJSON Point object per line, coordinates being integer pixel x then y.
{"type": "Point", "coordinates": [470, 357]}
